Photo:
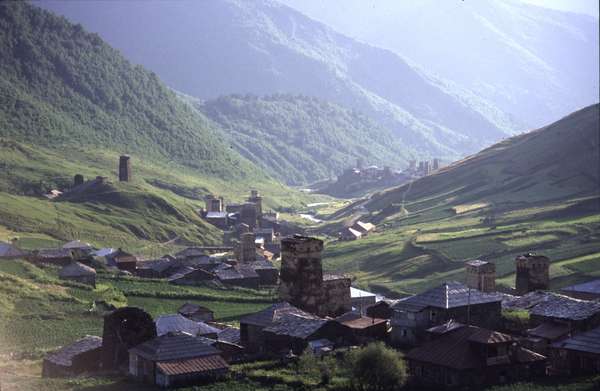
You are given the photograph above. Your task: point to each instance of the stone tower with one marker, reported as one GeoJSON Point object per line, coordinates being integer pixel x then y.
{"type": "Point", "coordinates": [481, 275]}
{"type": "Point", "coordinates": [533, 273]}
{"type": "Point", "coordinates": [124, 168]}
{"type": "Point", "coordinates": [213, 204]}
{"type": "Point", "coordinates": [256, 199]}
{"type": "Point", "coordinates": [78, 180]}
{"type": "Point", "coordinates": [301, 276]}
{"type": "Point", "coordinates": [436, 164]}
{"type": "Point", "coordinates": [248, 215]}
{"type": "Point", "coordinates": [247, 247]}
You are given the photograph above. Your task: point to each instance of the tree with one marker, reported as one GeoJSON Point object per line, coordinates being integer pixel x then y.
{"type": "Point", "coordinates": [378, 368]}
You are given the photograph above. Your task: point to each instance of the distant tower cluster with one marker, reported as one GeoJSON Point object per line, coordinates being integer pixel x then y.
{"type": "Point", "coordinates": [481, 275]}
{"type": "Point", "coordinates": [78, 180]}
{"type": "Point", "coordinates": [124, 168]}
{"type": "Point", "coordinates": [247, 247]}
{"type": "Point", "coordinates": [533, 273]}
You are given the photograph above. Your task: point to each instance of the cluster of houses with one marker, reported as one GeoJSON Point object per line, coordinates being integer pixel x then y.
{"type": "Point", "coordinates": [454, 334]}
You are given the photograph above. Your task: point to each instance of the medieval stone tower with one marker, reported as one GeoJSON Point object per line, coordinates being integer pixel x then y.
{"type": "Point", "coordinates": [78, 180]}
{"type": "Point", "coordinates": [301, 276]}
{"type": "Point", "coordinates": [124, 168]}
{"type": "Point", "coordinates": [247, 247]}
{"type": "Point", "coordinates": [213, 204]}
{"type": "Point", "coordinates": [436, 164]}
{"type": "Point", "coordinates": [533, 273]}
{"type": "Point", "coordinates": [256, 199]}
{"type": "Point", "coordinates": [481, 275]}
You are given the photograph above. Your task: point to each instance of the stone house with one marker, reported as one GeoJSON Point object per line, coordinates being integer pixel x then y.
{"type": "Point", "coordinates": [196, 312]}
{"type": "Point", "coordinates": [81, 356]}
{"type": "Point", "coordinates": [252, 325]}
{"type": "Point", "coordinates": [78, 272]}
{"type": "Point", "coordinates": [174, 323]}
{"type": "Point", "coordinates": [292, 332]}
{"type": "Point", "coordinates": [578, 315]}
{"type": "Point", "coordinates": [123, 260]}
{"type": "Point", "coordinates": [364, 329]}
{"type": "Point", "coordinates": [268, 274]}
{"type": "Point", "coordinates": [190, 276]}
{"type": "Point", "coordinates": [55, 256]}
{"type": "Point", "coordinates": [156, 268]}
{"type": "Point", "coordinates": [239, 275]}
{"type": "Point", "coordinates": [175, 360]}
{"type": "Point", "coordinates": [469, 356]}
{"type": "Point", "coordinates": [10, 251]}
{"type": "Point", "coordinates": [577, 355]}
{"type": "Point", "coordinates": [412, 316]}
{"type": "Point", "coordinates": [382, 309]}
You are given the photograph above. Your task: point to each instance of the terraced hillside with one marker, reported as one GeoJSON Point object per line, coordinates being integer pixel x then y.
{"type": "Point", "coordinates": [534, 192]}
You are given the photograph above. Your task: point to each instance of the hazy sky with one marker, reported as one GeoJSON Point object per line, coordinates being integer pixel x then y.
{"type": "Point", "coordinates": [589, 7]}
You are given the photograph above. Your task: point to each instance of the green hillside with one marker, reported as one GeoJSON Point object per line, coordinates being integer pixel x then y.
{"type": "Point", "coordinates": [71, 104]}
{"type": "Point", "coordinates": [533, 192]}
{"type": "Point", "coordinates": [300, 139]}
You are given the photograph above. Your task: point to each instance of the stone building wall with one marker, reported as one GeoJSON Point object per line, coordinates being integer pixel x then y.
{"type": "Point", "coordinates": [533, 273]}
{"type": "Point", "coordinates": [337, 300]}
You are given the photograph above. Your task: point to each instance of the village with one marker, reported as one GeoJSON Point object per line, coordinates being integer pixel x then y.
{"type": "Point", "coordinates": [454, 334]}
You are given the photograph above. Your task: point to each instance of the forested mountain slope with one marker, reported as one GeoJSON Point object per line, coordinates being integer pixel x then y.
{"type": "Point", "coordinates": [212, 48]}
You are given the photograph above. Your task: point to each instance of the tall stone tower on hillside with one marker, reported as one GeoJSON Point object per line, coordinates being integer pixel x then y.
{"type": "Point", "coordinates": [481, 275]}
{"type": "Point", "coordinates": [301, 276]}
{"type": "Point", "coordinates": [124, 168]}
{"type": "Point", "coordinates": [533, 273]}
{"type": "Point", "coordinates": [247, 247]}
{"type": "Point", "coordinates": [256, 199]}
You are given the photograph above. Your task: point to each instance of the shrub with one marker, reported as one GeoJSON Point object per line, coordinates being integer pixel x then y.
{"type": "Point", "coordinates": [377, 367]}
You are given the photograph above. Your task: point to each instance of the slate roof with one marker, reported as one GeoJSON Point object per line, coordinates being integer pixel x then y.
{"type": "Point", "coordinates": [53, 253]}
{"type": "Point", "coordinates": [296, 326]}
{"type": "Point", "coordinates": [9, 251]}
{"type": "Point", "coordinates": [262, 265]}
{"type": "Point", "coordinates": [271, 314]}
{"type": "Point", "coordinates": [448, 295]}
{"type": "Point", "coordinates": [65, 355]}
{"type": "Point", "coordinates": [230, 334]}
{"type": "Point", "coordinates": [236, 273]}
{"type": "Point", "coordinates": [173, 346]}
{"type": "Point", "coordinates": [194, 365]}
{"type": "Point", "coordinates": [549, 330]}
{"type": "Point", "coordinates": [564, 307]}
{"type": "Point", "coordinates": [587, 287]}
{"type": "Point", "coordinates": [357, 321]}
{"type": "Point", "coordinates": [158, 265]}
{"type": "Point", "coordinates": [190, 252]}
{"type": "Point", "coordinates": [454, 350]}
{"type": "Point", "coordinates": [178, 323]}
{"type": "Point", "coordinates": [588, 341]}
{"type": "Point", "coordinates": [76, 269]}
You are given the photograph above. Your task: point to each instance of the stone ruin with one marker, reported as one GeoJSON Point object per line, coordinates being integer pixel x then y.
{"type": "Point", "coordinates": [124, 328]}
{"type": "Point", "coordinates": [302, 282]}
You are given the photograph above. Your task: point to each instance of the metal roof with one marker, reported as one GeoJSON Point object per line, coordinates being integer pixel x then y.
{"type": "Point", "coordinates": [448, 295]}
{"type": "Point", "coordinates": [173, 346]}
{"type": "Point", "coordinates": [357, 293]}
{"type": "Point", "coordinates": [584, 342]}
{"type": "Point", "coordinates": [587, 287]}
{"type": "Point", "coordinates": [65, 355]}
{"type": "Point", "coordinates": [193, 365]}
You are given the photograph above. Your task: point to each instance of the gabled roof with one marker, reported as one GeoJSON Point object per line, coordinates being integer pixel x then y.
{"type": "Point", "coordinates": [297, 326]}
{"type": "Point", "coordinates": [448, 295]}
{"type": "Point", "coordinates": [194, 365]}
{"type": "Point", "coordinates": [357, 321]}
{"type": "Point", "coordinates": [358, 293]}
{"type": "Point", "coordinates": [352, 232]}
{"type": "Point", "coordinates": [178, 323]}
{"type": "Point", "coordinates": [173, 346]}
{"type": "Point", "coordinates": [564, 307]}
{"type": "Point", "coordinates": [158, 265]}
{"type": "Point", "coordinates": [9, 251]}
{"type": "Point", "coordinates": [549, 330]}
{"type": "Point", "coordinates": [363, 227]}
{"type": "Point", "coordinates": [53, 253]}
{"type": "Point", "coordinates": [587, 287]}
{"type": "Point", "coordinates": [76, 269]}
{"type": "Point", "coordinates": [585, 342]}
{"type": "Point", "coordinates": [65, 355]}
{"type": "Point", "coordinates": [236, 273]}
{"type": "Point", "coordinates": [77, 244]}
{"type": "Point", "coordinates": [271, 314]}
{"type": "Point", "coordinates": [455, 350]}
{"type": "Point", "coordinates": [230, 335]}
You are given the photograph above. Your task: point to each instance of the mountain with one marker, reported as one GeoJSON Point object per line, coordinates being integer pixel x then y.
{"type": "Point", "coordinates": [212, 48]}
{"type": "Point", "coordinates": [299, 139]}
{"type": "Point", "coordinates": [554, 163]}
{"type": "Point", "coordinates": [71, 104]}
{"type": "Point", "coordinates": [535, 64]}
{"type": "Point", "coordinates": [536, 192]}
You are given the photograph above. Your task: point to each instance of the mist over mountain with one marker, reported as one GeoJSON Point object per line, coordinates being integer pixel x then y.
{"type": "Point", "coordinates": [536, 64]}
{"type": "Point", "coordinates": [211, 48]}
